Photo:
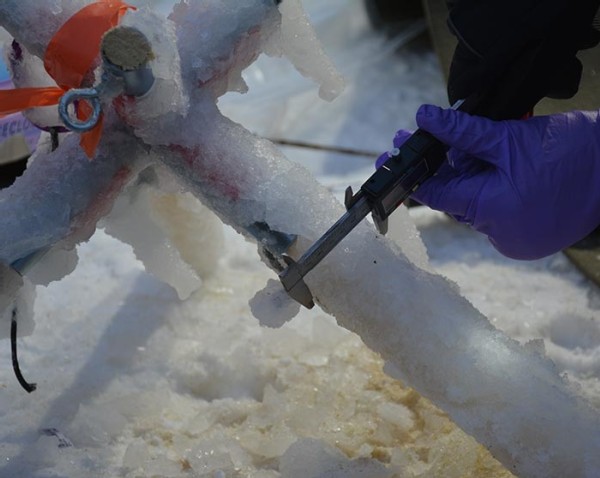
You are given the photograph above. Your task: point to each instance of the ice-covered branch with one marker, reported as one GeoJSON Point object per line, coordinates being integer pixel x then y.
{"type": "Point", "coordinates": [510, 398]}
{"type": "Point", "coordinates": [63, 194]}
{"type": "Point", "coordinates": [34, 23]}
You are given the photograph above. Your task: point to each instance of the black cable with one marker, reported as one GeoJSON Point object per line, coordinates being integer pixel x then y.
{"type": "Point", "coordinates": [326, 148]}
{"type": "Point", "coordinates": [29, 387]}
{"type": "Point", "coordinates": [54, 138]}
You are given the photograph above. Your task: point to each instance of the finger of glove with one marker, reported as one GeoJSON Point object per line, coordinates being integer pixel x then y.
{"type": "Point", "coordinates": [400, 138]}
{"type": "Point", "coordinates": [473, 135]}
{"type": "Point", "coordinates": [381, 159]}
{"type": "Point", "coordinates": [466, 164]}
{"type": "Point", "coordinates": [448, 191]}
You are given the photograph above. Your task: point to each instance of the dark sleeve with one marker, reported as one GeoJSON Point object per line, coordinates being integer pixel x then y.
{"type": "Point", "coordinates": [516, 52]}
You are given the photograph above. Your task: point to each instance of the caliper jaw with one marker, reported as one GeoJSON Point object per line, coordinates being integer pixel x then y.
{"type": "Point", "coordinates": [380, 223]}
{"type": "Point", "coordinates": [292, 277]}
{"type": "Point", "coordinates": [293, 282]}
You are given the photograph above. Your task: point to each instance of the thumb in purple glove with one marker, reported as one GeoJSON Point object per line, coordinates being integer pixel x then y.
{"type": "Point", "coordinates": [532, 186]}
{"type": "Point", "coordinates": [399, 140]}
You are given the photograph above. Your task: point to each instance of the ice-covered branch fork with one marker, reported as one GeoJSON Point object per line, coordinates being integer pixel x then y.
{"type": "Point", "coordinates": [510, 398]}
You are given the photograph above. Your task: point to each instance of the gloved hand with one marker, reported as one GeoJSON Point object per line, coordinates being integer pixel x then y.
{"type": "Point", "coordinates": [532, 186]}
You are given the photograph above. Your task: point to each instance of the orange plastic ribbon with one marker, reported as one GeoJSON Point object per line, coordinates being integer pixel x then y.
{"type": "Point", "coordinates": [70, 55]}
{"type": "Point", "coordinates": [75, 46]}
{"type": "Point", "coordinates": [19, 99]}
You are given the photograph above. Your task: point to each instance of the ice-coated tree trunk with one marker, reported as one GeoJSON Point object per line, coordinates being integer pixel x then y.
{"type": "Point", "coordinates": [509, 397]}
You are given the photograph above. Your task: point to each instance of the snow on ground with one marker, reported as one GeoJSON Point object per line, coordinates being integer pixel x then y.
{"type": "Point", "coordinates": [133, 382]}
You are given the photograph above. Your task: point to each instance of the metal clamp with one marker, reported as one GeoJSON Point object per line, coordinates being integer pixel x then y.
{"type": "Point", "coordinates": [117, 78]}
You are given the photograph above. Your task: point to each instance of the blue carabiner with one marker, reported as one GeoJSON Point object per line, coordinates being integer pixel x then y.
{"type": "Point", "coordinates": [92, 96]}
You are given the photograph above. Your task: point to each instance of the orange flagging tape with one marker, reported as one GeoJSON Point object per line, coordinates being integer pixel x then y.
{"type": "Point", "coordinates": [70, 55]}
{"type": "Point", "coordinates": [19, 99]}
{"type": "Point", "coordinates": [90, 139]}
{"type": "Point", "coordinates": [75, 46]}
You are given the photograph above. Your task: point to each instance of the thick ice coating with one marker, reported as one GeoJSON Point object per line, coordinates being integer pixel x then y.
{"type": "Point", "coordinates": [34, 23]}
{"type": "Point", "coordinates": [511, 399]}
{"type": "Point", "coordinates": [28, 72]}
{"type": "Point", "coordinates": [301, 46]}
{"type": "Point", "coordinates": [429, 335]}
{"type": "Point", "coordinates": [63, 194]}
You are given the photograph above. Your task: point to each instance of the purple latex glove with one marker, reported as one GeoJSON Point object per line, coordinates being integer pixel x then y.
{"type": "Point", "coordinates": [401, 136]}
{"type": "Point", "coordinates": [532, 186]}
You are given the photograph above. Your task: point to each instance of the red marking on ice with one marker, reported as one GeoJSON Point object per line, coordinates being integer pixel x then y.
{"type": "Point", "coordinates": [191, 157]}
{"type": "Point", "coordinates": [85, 222]}
{"type": "Point", "coordinates": [246, 48]}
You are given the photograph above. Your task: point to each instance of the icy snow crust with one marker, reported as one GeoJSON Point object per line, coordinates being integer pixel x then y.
{"type": "Point", "coordinates": [35, 23]}
{"type": "Point", "coordinates": [510, 398]}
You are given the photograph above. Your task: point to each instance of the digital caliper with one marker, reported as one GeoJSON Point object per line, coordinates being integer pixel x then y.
{"type": "Point", "coordinates": [406, 169]}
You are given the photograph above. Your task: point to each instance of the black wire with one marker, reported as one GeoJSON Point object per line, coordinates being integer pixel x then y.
{"type": "Point", "coordinates": [54, 138]}
{"type": "Point", "coordinates": [29, 387]}
{"type": "Point", "coordinates": [322, 147]}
